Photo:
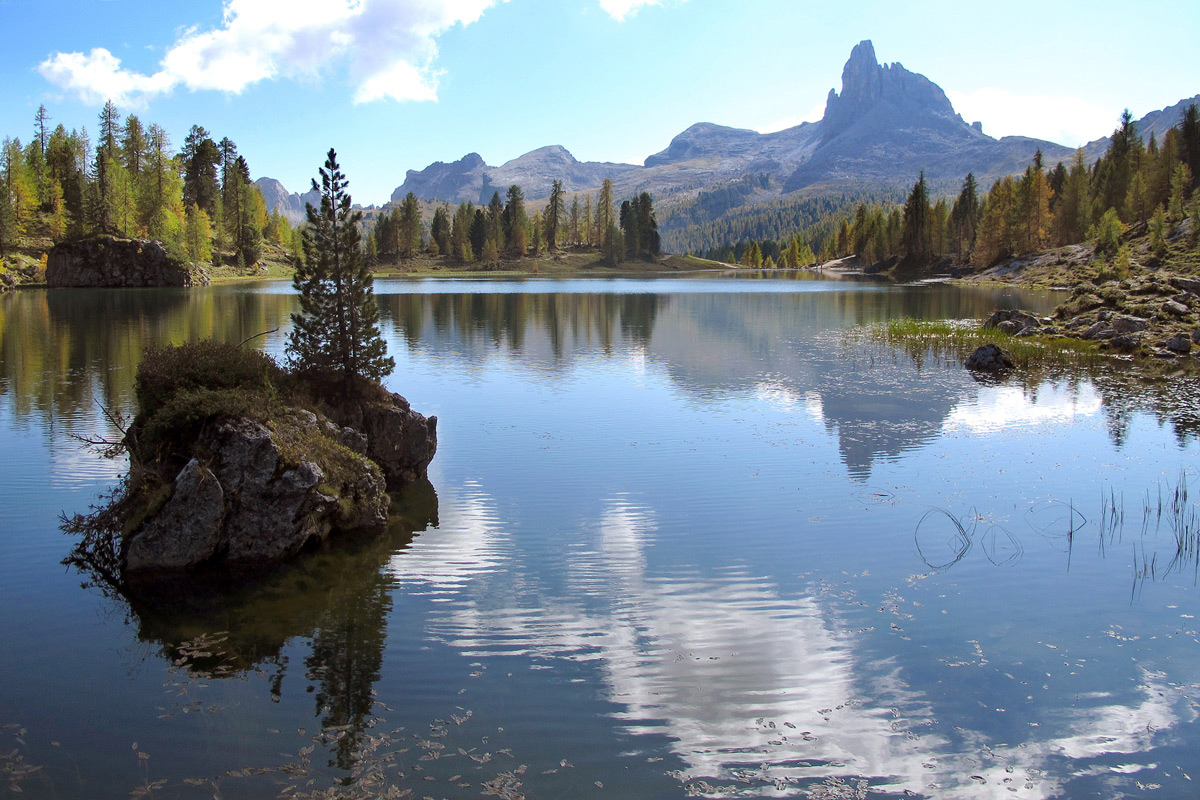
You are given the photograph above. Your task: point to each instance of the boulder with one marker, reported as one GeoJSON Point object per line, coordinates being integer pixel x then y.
{"type": "Point", "coordinates": [106, 261]}
{"type": "Point", "coordinates": [1186, 284]}
{"type": "Point", "coordinates": [1181, 344]}
{"type": "Point", "coordinates": [1127, 342]}
{"type": "Point", "coordinates": [989, 358]}
{"type": "Point", "coordinates": [1175, 308]}
{"type": "Point", "coordinates": [1125, 323]}
{"type": "Point", "coordinates": [252, 500]}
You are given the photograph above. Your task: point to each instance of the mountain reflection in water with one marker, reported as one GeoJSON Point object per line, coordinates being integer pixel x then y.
{"type": "Point", "coordinates": [690, 536]}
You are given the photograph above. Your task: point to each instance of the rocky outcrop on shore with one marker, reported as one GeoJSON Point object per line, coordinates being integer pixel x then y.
{"type": "Point", "coordinates": [109, 262]}
{"type": "Point", "coordinates": [1151, 315]}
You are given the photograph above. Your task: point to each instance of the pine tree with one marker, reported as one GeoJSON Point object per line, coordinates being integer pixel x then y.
{"type": "Point", "coordinates": [1158, 233]}
{"type": "Point", "coordinates": [605, 216]}
{"type": "Point", "coordinates": [197, 235]}
{"type": "Point", "coordinates": [965, 217]}
{"type": "Point", "coordinates": [1074, 215]}
{"type": "Point", "coordinates": [336, 332]}
{"type": "Point", "coordinates": [439, 229]}
{"type": "Point", "coordinates": [495, 219]}
{"type": "Point", "coordinates": [107, 157]}
{"type": "Point", "coordinates": [1181, 181]}
{"type": "Point", "coordinates": [573, 223]}
{"type": "Point", "coordinates": [200, 160]}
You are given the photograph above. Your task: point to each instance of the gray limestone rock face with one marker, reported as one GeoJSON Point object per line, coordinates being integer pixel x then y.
{"type": "Point", "coordinates": [186, 531]}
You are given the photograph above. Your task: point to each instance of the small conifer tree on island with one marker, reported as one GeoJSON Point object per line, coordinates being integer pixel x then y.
{"type": "Point", "coordinates": [336, 332]}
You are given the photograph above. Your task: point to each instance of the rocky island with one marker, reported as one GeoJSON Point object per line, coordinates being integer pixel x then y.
{"type": "Point", "coordinates": [238, 462]}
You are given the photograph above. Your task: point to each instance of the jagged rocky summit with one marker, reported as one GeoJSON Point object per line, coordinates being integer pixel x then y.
{"type": "Point", "coordinates": [110, 262]}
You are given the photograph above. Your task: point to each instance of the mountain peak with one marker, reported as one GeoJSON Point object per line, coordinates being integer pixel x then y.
{"type": "Point", "coordinates": [866, 84]}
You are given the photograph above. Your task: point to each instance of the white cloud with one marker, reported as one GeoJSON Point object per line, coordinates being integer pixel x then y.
{"type": "Point", "coordinates": [620, 9]}
{"type": "Point", "coordinates": [97, 76]}
{"type": "Point", "coordinates": [388, 45]}
{"type": "Point", "coordinates": [1063, 120]}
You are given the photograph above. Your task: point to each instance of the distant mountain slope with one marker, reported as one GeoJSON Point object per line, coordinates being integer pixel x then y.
{"type": "Point", "coordinates": [889, 124]}
{"type": "Point", "coordinates": [1156, 124]}
{"type": "Point", "coordinates": [471, 179]}
{"type": "Point", "coordinates": [460, 180]}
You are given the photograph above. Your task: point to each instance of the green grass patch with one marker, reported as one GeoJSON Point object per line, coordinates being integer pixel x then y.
{"type": "Point", "coordinates": [958, 339]}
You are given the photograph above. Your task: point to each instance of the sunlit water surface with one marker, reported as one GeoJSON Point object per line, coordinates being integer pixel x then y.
{"type": "Point", "coordinates": [683, 537]}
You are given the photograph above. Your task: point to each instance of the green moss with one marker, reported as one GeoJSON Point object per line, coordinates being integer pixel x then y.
{"type": "Point", "coordinates": [1079, 304]}
{"type": "Point", "coordinates": [299, 441]}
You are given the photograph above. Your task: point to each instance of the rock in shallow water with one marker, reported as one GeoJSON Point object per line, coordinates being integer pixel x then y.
{"type": "Point", "coordinates": [989, 358]}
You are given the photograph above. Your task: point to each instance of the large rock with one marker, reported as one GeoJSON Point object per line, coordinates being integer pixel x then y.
{"type": "Point", "coordinates": [105, 261]}
{"type": "Point", "coordinates": [401, 441]}
{"type": "Point", "coordinates": [255, 501]}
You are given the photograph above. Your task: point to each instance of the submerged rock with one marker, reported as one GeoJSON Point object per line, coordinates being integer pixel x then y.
{"type": "Point", "coordinates": [989, 358]}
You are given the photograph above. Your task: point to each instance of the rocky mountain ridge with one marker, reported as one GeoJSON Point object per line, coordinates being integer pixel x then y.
{"type": "Point", "coordinates": [885, 127]}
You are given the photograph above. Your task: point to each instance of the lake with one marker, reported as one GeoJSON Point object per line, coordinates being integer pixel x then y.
{"type": "Point", "coordinates": [683, 536]}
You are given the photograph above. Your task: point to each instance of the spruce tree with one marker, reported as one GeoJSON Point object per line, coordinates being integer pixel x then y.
{"type": "Point", "coordinates": [553, 218]}
{"type": "Point", "coordinates": [409, 226]}
{"type": "Point", "coordinates": [337, 332]}
{"type": "Point", "coordinates": [916, 233]}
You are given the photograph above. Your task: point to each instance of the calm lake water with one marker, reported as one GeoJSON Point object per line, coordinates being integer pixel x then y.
{"type": "Point", "coordinates": [682, 537]}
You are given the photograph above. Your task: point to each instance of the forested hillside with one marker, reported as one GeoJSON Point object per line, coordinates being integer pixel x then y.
{"type": "Point", "coordinates": [198, 200]}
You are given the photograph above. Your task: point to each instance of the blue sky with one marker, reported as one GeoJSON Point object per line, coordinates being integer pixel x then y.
{"type": "Point", "coordinates": [397, 84]}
